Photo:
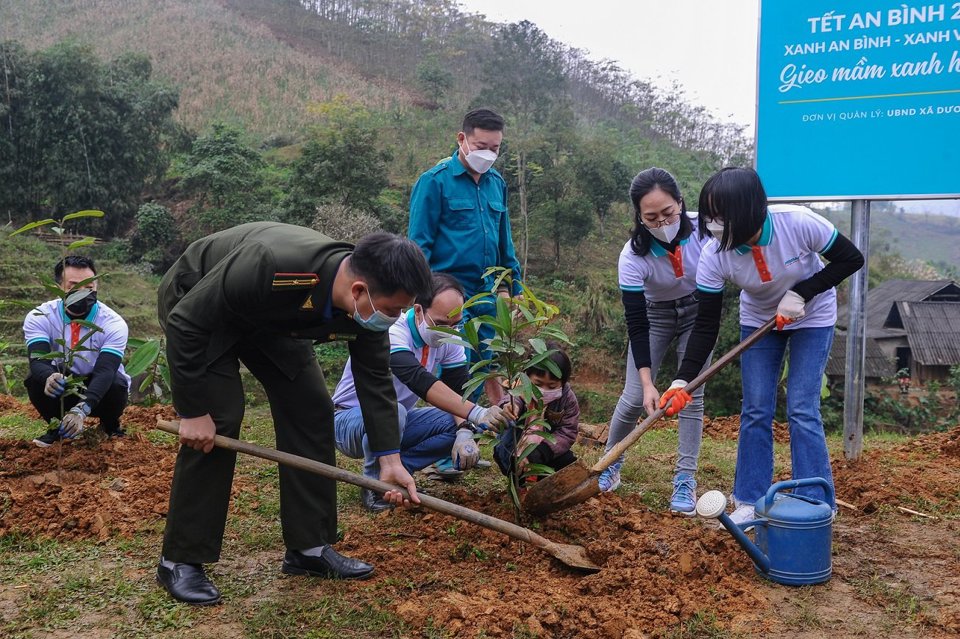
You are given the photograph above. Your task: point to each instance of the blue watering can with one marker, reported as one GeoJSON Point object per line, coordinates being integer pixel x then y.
{"type": "Point", "coordinates": [793, 532]}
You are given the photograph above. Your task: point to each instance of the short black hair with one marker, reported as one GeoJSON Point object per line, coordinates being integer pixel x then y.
{"type": "Point", "coordinates": [735, 196]}
{"type": "Point", "coordinates": [644, 182]}
{"type": "Point", "coordinates": [441, 282]}
{"type": "Point", "coordinates": [481, 119]}
{"type": "Point", "coordinates": [390, 263]}
{"type": "Point", "coordinates": [558, 357]}
{"type": "Point", "coordinates": [73, 261]}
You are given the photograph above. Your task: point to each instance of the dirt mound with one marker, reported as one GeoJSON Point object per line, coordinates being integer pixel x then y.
{"type": "Point", "coordinates": [657, 571]}
{"type": "Point", "coordinates": [729, 428]}
{"type": "Point", "coordinates": [920, 474]}
{"type": "Point", "coordinates": [113, 487]}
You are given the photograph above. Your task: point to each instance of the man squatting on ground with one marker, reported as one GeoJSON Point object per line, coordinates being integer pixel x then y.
{"type": "Point", "coordinates": [262, 294]}
{"type": "Point", "coordinates": [97, 361]}
{"type": "Point", "coordinates": [424, 367]}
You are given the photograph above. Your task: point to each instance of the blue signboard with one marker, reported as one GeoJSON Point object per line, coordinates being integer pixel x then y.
{"type": "Point", "coordinates": [859, 99]}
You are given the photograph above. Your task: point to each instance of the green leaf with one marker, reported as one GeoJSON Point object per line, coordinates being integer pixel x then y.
{"type": "Point", "coordinates": [147, 381]}
{"type": "Point", "coordinates": [538, 470]}
{"type": "Point", "coordinates": [164, 374]}
{"type": "Point", "coordinates": [87, 241]}
{"type": "Point", "coordinates": [79, 214]}
{"type": "Point", "coordinates": [32, 225]}
{"type": "Point", "coordinates": [86, 324]}
{"type": "Point", "coordinates": [539, 346]}
{"type": "Point", "coordinates": [143, 358]}
{"type": "Point", "coordinates": [513, 493]}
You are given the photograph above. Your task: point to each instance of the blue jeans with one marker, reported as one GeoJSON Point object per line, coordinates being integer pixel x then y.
{"type": "Point", "coordinates": [760, 368]}
{"type": "Point", "coordinates": [666, 325]}
{"type": "Point", "coordinates": [426, 435]}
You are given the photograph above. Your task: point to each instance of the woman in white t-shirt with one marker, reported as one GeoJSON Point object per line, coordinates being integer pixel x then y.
{"type": "Point", "coordinates": [657, 275]}
{"type": "Point", "coordinates": [773, 254]}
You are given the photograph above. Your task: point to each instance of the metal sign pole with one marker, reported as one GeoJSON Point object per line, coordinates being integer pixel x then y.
{"type": "Point", "coordinates": [853, 386]}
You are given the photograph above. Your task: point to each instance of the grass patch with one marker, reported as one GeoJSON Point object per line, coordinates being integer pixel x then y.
{"type": "Point", "coordinates": [701, 625]}
{"type": "Point", "coordinates": [896, 599]}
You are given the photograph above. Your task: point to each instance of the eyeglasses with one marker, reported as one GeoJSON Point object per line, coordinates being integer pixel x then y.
{"type": "Point", "coordinates": [456, 325]}
{"type": "Point", "coordinates": [667, 221]}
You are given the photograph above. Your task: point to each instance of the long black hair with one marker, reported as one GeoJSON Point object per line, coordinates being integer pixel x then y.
{"type": "Point", "coordinates": [645, 182]}
{"type": "Point", "coordinates": [736, 197]}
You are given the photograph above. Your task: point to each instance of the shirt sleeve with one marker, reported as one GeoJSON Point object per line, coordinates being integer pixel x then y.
{"type": "Point", "coordinates": [102, 377]}
{"type": "Point", "coordinates": [411, 374]}
{"type": "Point", "coordinates": [632, 272]}
{"type": "Point", "coordinates": [425, 209]}
{"type": "Point", "coordinates": [703, 337]}
{"type": "Point", "coordinates": [710, 278]}
{"type": "Point", "coordinates": [816, 232]}
{"type": "Point", "coordinates": [844, 259]}
{"type": "Point", "coordinates": [638, 327]}
{"type": "Point", "coordinates": [241, 280]}
{"type": "Point", "coordinates": [36, 328]}
{"type": "Point", "coordinates": [452, 355]}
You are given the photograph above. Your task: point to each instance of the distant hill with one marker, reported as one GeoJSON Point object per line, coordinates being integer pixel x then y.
{"type": "Point", "coordinates": [228, 66]}
{"type": "Point", "coordinates": [926, 237]}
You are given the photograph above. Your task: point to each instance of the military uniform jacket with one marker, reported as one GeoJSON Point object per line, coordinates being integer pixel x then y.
{"type": "Point", "coordinates": [268, 285]}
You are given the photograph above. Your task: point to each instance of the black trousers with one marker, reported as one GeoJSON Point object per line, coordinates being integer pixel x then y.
{"type": "Point", "coordinates": [303, 422]}
{"type": "Point", "coordinates": [108, 410]}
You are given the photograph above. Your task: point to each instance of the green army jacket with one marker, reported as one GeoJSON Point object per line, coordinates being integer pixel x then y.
{"type": "Point", "coordinates": [269, 284]}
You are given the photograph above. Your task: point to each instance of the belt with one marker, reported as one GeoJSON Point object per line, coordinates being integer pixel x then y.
{"type": "Point", "coordinates": [686, 300]}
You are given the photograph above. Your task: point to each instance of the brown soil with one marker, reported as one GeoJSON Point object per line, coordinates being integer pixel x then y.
{"type": "Point", "coordinates": [658, 570]}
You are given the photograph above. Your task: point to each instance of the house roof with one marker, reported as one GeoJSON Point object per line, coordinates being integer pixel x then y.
{"type": "Point", "coordinates": [933, 331]}
{"type": "Point", "coordinates": [876, 364]}
{"type": "Point", "coordinates": [882, 298]}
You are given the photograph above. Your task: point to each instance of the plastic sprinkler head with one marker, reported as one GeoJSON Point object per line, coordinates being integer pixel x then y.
{"type": "Point", "coordinates": [711, 504]}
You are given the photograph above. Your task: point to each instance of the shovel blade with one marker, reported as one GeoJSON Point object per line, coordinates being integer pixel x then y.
{"type": "Point", "coordinates": [573, 557]}
{"type": "Point", "coordinates": [565, 488]}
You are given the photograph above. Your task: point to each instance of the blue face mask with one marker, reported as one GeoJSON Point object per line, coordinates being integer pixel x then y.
{"type": "Point", "coordinates": [377, 322]}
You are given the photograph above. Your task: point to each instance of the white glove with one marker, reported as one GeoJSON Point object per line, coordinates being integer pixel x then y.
{"type": "Point", "coordinates": [790, 309]}
{"type": "Point", "coordinates": [72, 423]}
{"type": "Point", "coordinates": [465, 452]}
{"type": "Point", "coordinates": [791, 306]}
{"type": "Point", "coordinates": [489, 416]}
{"type": "Point", "coordinates": [55, 385]}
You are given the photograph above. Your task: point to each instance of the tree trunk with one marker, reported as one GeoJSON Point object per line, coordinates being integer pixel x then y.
{"type": "Point", "coordinates": [524, 213]}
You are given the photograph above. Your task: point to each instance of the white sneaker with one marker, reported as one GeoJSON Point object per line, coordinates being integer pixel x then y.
{"type": "Point", "coordinates": [742, 514]}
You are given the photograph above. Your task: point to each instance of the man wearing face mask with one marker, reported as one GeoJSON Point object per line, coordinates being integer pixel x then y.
{"type": "Point", "coordinates": [424, 367]}
{"type": "Point", "coordinates": [459, 217]}
{"type": "Point", "coordinates": [96, 363]}
{"type": "Point", "coordinates": [262, 294]}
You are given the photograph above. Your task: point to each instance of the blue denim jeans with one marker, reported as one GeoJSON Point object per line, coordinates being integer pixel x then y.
{"type": "Point", "coordinates": [666, 325]}
{"type": "Point", "coordinates": [426, 435]}
{"type": "Point", "coordinates": [760, 368]}
{"type": "Point", "coordinates": [484, 332]}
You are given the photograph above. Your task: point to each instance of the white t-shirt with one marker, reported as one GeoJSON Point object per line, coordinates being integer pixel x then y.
{"type": "Point", "coordinates": [49, 323]}
{"type": "Point", "coordinates": [790, 245]}
{"type": "Point", "coordinates": [404, 336]}
{"type": "Point", "coordinates": [660, 276]}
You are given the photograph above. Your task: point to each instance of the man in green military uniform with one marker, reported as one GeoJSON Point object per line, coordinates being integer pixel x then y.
{"type": "Point", "coordinates": [261, 294]}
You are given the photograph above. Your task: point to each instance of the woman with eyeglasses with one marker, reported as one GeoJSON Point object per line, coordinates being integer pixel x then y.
{"type": "Point", "coordinates": [773, 253]}
{"type": "Point", "coordinates": [657, 273]}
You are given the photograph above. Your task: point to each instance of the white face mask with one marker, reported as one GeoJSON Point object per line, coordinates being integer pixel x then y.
{"type": "Point", "coordinates": [550, 395]}
{"type": "Point", "coordinates": [716, 228]}
{"type": "Point", "coordinates": [667, 232]}
{"type": "Point", "coordinates": [480, 160]}
{"type": "Point", "coordinates": [430, 337]}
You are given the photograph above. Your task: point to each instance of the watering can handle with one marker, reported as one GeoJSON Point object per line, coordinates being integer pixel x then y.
{"type": "Point", "coordinates": [797, 483]}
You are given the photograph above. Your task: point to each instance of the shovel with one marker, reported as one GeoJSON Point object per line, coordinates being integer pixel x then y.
{"type": "Point", "coordinates": [576, 483]}
{"type": "Point", "coordinates": [569, 554]}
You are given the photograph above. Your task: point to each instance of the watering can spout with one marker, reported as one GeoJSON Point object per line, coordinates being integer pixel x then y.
{"type": "Point", "coordinates": [712, 505]}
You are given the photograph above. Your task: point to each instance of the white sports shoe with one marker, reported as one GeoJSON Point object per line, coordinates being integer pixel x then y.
{"type": "Point", "coordinates": [742, 514]}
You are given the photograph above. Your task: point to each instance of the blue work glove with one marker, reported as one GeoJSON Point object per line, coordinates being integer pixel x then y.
{"type": "Point", "coordinates": [72, 423]}
{"type": "Point", "coordinates": [465, 452]}
{"type": "Point", "coordinates": [55, 385]}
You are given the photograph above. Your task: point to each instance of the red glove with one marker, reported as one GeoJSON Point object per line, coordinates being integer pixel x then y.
{"type": "Point", "coordinates": [679, 396]}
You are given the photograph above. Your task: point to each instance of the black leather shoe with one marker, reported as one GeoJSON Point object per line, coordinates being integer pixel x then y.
{"type": "Point", "coordinates": [372, 502]}
{"type": "Point", "coordinates": [188, 583]}
{"type": "Point", "coordinates": [324, 561]}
